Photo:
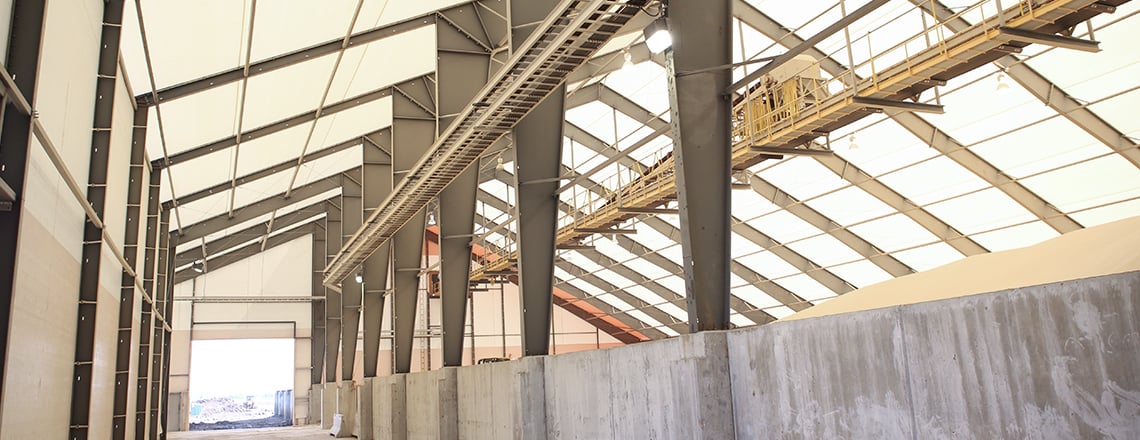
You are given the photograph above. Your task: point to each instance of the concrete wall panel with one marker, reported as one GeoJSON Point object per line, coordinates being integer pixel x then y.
{"type": "Point", "coordinates": [432, 408]}
{"type": "Point", "coordinates": [505, 400]}
{"type": "Point", "coordinates": [578, 396]}
{"type": "Point", "coordinates": [1055, 361]}
{"type": "Point", "coordinates": [822, 378]}
{"type": "Point", "coordinates": [389, 409]}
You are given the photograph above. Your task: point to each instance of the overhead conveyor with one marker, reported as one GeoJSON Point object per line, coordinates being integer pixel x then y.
{"type": "Point", "coordinates": [788, 111]}
{"type": "Point", "coordinates": [565, 40]}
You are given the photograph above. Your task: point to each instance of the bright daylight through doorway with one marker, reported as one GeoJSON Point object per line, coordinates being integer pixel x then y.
{"type": "Point", "coordinates": [241, 383]}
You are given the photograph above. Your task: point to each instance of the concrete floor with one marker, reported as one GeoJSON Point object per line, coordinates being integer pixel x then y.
{"type": "Point", "coordinates": [310, 432]}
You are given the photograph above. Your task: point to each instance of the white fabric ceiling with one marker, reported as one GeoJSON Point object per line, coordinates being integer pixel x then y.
{"type": "Point", "coordinates": [777, 245]}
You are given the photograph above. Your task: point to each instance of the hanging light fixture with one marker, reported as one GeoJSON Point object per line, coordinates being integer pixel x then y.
{"type": "Point", "coordinates": [851, 145]}
{"type": "Point", "coordinates": [431, 218]}
{"type": "Point", "coordinates": [499, 164]}
{"type": "Point", "coordinates": [657, 36]}
{"type": "Point", "coordinates": [198, 266]}
{"type": "Point", "coordinates": [359, 278]}
{"type": "Point", "coordinates": [628, 59]}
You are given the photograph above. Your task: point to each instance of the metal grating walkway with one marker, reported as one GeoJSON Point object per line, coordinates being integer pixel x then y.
{"type": "Point", "coordinates": [562, 43]}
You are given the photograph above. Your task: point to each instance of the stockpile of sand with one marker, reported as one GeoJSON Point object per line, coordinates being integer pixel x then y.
{"type": "Point", "coordinates": [225, 409]}
{"type": "Point", "coordinates": [1101, 250]}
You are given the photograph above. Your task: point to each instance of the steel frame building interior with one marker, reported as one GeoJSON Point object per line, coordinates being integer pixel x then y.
{"type": "Point", "coordinates": [371, 178]}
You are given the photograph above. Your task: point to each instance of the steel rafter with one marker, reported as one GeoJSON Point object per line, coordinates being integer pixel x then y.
{"type": "Point", "coordinates": [561, 43]}
{"type": "Point", "coordinates": [257, 209]}
{"type": "Point", "coordinates": [594, 280]}
{"type": "Point", "coordinates": [234, 239]}
{"type": "Point", "coordinates": [271, 128]}
{"type": "Point", "coordinates": [217, 262]}
{"type": "Point", "coordinates": [625, 105]}
{"type": "Point", "coordinates": [1048, 92]}
{"type": "Point", "coordinates": [872, 253]}
{"type": "Point", "coordinates": [268, 171]}
{"type": "Point", "coordinates": [770, 28]}
{"type": "Point", "coordinates": [285, 60]}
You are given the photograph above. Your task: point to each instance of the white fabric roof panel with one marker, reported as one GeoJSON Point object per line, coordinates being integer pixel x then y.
{"type": "Point", "coordinates": [987, 111]}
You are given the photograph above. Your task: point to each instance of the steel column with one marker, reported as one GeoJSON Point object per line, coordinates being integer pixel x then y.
{"type": "Point", "coordinates": [332, 297]}
{"type": "Point", "coordinates": [463, 68]}
{"type": "Point", "coordinates": [127, 292]}
{"type": "Point", "coordinates": [23, 64]}
{"type": "Point", "coordinates": [146, 318]}
{"type": "Point", "coordinates": [167, 314]}
{"type": "Point", "coordinates": [702, 32]}
{"type": "Point", "coordinates": [158, 343]}
{"type": "Point", "coordinates": [538, 159]}
{"type": "Point", "coordinates": [317, 338]}
{"type": "Point", "coordinates": [377, 187]}
{"type": "Point", "coordinates": [351, 293]}
{"type": "Point", "coordinates": [413, 132]}
{"type": "Point", "coordinates": [105, 82]}
{"type": "Point", "coordinates": [167, 307]}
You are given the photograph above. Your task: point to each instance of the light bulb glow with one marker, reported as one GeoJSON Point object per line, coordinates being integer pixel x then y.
{"type": "Point", "coordinates": [659, 41]}
{"type": "Point", "coordinates": [628, 59]}
{"type": "Point", "coordinates": [359, 278]}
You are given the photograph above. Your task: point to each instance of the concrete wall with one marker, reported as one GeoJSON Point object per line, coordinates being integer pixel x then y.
{"type": "Point", "coordinates": [672, 389]}
{"type": "Point", "coordinates": [389, 408]}
{"type": "Point", "coordinates": [504, 400]}
{"type": "Point", "coordinates": [37, 381]}
{"type": "Point", "coordinates": [1054, 361]}
{"type": "Point", "coordinates": [432, 405]}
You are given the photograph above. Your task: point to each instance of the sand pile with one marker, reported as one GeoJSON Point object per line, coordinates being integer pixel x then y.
{"type": "Point", "coordinates": [1100, 250]}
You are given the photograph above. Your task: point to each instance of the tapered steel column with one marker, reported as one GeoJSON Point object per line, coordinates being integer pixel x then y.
{"type": "Point", "coordinates": [464, 65]}
{"type": "Point", "coordinates": [317, 338]}
{"type": "Point", "coordinates": [23, 64]}
{"type": "Point", "coordinates": [538, 160]}
{"type": "Point", "coordinates": [352, 209]}
{"type": "Point", "coordinates": [377, 187]}
{"type": "Point", "coordinates": [700, 117]}
{"type": "Point", "coordinates": [413, 131]}
{"type": "Point", "coordinates": [332, 297]}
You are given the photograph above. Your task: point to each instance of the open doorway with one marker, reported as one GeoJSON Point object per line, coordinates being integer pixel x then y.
{"type": "Point", "coordinates": [241, 383]}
